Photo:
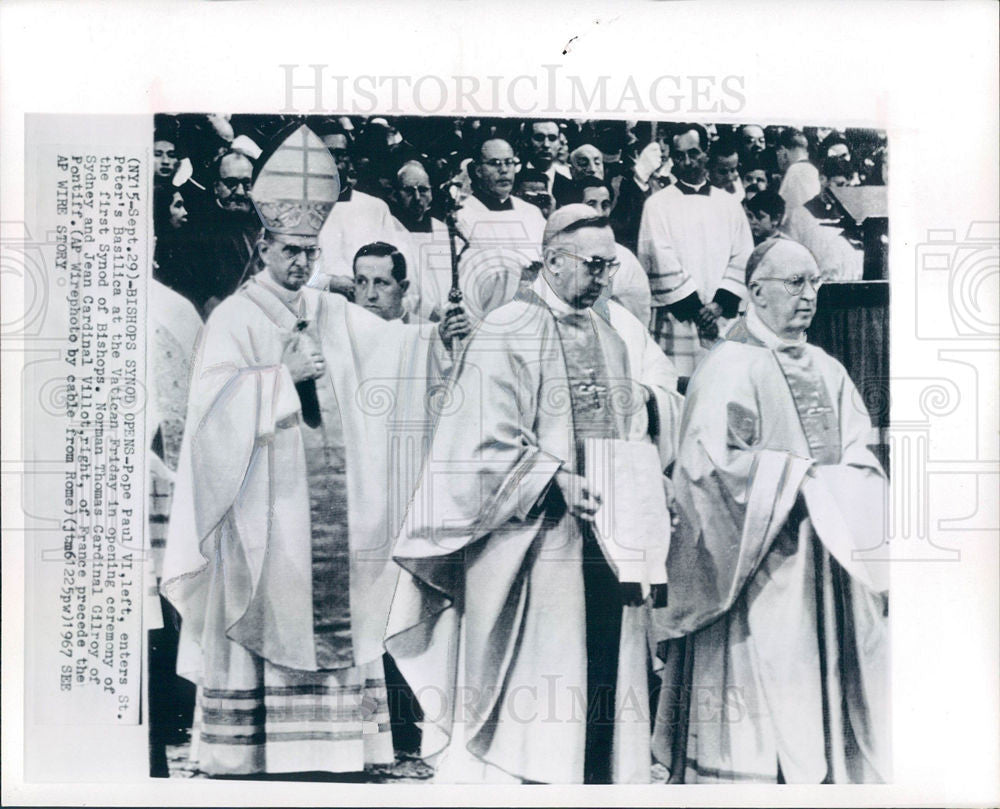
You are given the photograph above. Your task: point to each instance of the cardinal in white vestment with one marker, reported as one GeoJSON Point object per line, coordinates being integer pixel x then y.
{"type": "Point", "coordinates": [777, 671]}
{"type": "Point", "coordinates": [278, 555]}
{"type": "Point", "coordinates": [528, 653]}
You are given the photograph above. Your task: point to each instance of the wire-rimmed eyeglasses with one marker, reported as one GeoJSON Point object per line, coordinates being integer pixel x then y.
{"type": "Point", "coordinates": [796, 284]}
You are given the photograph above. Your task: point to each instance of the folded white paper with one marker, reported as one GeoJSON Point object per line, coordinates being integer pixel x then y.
{"type": "Point", "coordinates": [632, 523]}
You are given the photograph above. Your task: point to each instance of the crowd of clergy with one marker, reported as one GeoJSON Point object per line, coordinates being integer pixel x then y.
{"type": "Point", "coordinates": [498, 443]}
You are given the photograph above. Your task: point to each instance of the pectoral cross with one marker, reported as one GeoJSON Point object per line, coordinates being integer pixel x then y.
{"type": "Point", "coordinates": [822, 412]}
{"type": "Point", "coordinates": [593, 389]}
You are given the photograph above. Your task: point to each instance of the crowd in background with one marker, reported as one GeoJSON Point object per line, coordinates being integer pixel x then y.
{"type": "Point", "coordinates": [687, 204]}
{"type": "Point", "coordinates": [401, 176]}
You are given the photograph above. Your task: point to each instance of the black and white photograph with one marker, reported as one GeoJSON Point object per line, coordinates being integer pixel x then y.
{"type": "Point", "coordinates": [457, 403]}
{"type": "Point", "coordinates": [519, 450]}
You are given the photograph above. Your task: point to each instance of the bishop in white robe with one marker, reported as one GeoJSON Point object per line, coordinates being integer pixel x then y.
{"type": "Point", "coordinates": [778, 664]}
{"type": "Point", "coordinates": [508, 623]}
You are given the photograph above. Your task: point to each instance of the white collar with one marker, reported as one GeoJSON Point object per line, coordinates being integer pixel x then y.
{"type": "Point", "coordinates": [759, 329]}
{"type": "Point", "coordinates": [697, 187]}
{"type": "Point", "coordinates": [291, 298]}
{"type": "Point", "coordinates": [548, 295]}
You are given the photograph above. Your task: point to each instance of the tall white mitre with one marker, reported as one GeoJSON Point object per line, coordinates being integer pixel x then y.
{"type": "Point", "coordinates": [298, 185]}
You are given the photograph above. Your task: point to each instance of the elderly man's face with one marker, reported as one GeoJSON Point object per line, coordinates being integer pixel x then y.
{"type": "Point", "coordinates": [544, 143]}
{"type": "Point", "coordinates": [289, 259]}
{"type": "Point", "coordinates": [496, 168]}
{"type": "Point", "coordinates": [724, 173]}
{"type": "Point", "coordinates": [232, 189]}
{"type": "Point", "coordinates": [587, 161]}
{"type": "Point", "coordinates": [164, 159]}
{"type": "Point", "coordinates": [570, 261]}
{"type": "Point", "coordinates": [753, 139]}
{"type": "Point", "coordinates": [689, 158]}
{"type": "Point", "coordinates": [376, 290]}
{"type": "Point", "coordinates": [414, 192]}
{"type": "Point", "coordinates": [784, 290]}
{"type": "Point", "coordinates": [599, 199]}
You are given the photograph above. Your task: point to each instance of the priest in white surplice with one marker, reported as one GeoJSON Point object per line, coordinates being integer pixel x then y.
{"type": "Point", "coordinates": [504, 232]}
{"type": "Point", "coordinates": [509, 624]}
{"type": "Point", "coordinates": [694, 242]}
{"type": "Point", "coordinates": [423, 240]}
{"type": "Point", "coordinates": [278, 553]}
{"type": "Point", "coordinates": [779, 667]}
{"type": "Point", "coordinates": [356, 220]}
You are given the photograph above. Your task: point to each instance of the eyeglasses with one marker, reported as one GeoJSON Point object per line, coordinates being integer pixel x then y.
{"type": "Point", "coordinates": [509, 163]}
{"type": "Point", "coordinates": [232, 183]}
{"type": "Point", "coordinates": [596, 265]}
{"type": "Point", "coordinates": [419, 189]}
{"type": "Point", "coordinates": [796, 284]}
{"type": "Point", "coordinates": [292, 252]}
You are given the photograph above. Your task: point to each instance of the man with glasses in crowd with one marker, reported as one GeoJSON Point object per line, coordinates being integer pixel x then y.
{"type": "Point", "coordinates": [508, 597]}
{"type": "Point", "coordinates": [777, 665]}
{"type": "Point", "coordinates": [503, 231]}
{"type": "Point", "coordinates": [222, 232]}
{"type": "Point", "coordinates": [423, 241]}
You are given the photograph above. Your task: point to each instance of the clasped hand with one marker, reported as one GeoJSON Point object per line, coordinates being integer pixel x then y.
{"type": "Point", "coordinates": [303, 359]}
{"type": "Point", "coordinates": [708, 316]}
{"type": "Point", "coordinates": [581, 500]}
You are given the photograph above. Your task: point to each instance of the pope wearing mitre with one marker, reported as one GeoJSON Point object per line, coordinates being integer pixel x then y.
{"type": "Point", "coordinates": [278, 557]}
